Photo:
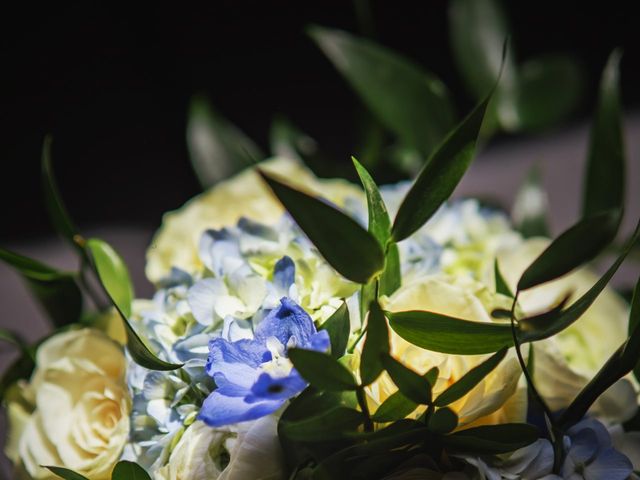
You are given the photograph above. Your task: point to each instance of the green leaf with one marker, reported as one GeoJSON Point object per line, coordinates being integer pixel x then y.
{"type": "Point", "coordinates": [10, 337]}
{"type": "Point", "coordinates": [125, 470]}
{"type": "Point", "coordinates": [413, 386]}
{"type": "Point", "coordinates": [391, 277]}
{"type": "Point", "coordinates": [501, 285]}
{"type": "Point", "coordinates": [113, 274]}
{"type": "Point", "coordinates": [395, 407]}
{"type": "Point", "coordinates": [530, 206]}
{"type": "Point", "coordinates": [549, 88]}
{"type": "Point", "coordinates": [328, 425]}
{"type": "Point", "coordinates": [321, 370]}
{"type": "Point", "coordinates": [380, 228]}
{"type": "Point", "coordinates": [57, 211]}
{"type": "Point", "coordinates": [337, 326]}
{"type": "Point", "coordinates": [492, 439]}
{"type": "Point", "coordinates": [544, 320]}
{"type": "Point", "coordinates": [605, 182]}
{"type": "Point", "coordinates": [65, 473]}
{"type": "Point", "coordinates": [619, 364]}
{"type": "Point", "coordinates": [217, 148]}
{"type": "Point", "coordinates": [443, 420]}
{"type": "Point", "coordinates": [379, 223]}
{"type": "Point", "coordinates": [432, 375]}
{"type": "Point", "coordinates": [577, 245]}
{"type": "Point", "coordinates": [577, 308]}
{"type": "Point", "coordinates": [57, 292]}
{"type": "Point", "coordinates": [409, 101]}
{"type": "Point", "coordinates": [469, 380]}
{"type": "Point", "coordinates": [440, 175]}
{"type": "Point", "coordinates": [478, 29]}
{"type": "Point", "coordinates": [346, 246]}
{"type": "Point", "coordinates": [441, 333]}
{"type": "Point", "coordinates": [114, 277]}
{"type": "Point", "coordinates": [376, 344]}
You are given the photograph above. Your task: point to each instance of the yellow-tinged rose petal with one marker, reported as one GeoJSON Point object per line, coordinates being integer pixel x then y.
{"type": "Point", "coordinates": [500, 396]}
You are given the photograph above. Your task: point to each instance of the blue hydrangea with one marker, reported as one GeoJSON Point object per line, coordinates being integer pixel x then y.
{"type": "Point", "coordinates": [254, 377]}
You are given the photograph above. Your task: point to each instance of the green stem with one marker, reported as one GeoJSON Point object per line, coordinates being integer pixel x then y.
{"type": "Point", "coordinates": [554, 432]}
{"type": "Point", "coordinates": [363, 330]}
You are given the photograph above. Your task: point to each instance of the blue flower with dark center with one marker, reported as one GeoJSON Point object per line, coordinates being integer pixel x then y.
{"type": "Point", "coordinates": [255, 377]}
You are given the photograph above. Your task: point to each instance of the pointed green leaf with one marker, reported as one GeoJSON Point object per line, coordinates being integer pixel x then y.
{"type": "Point", "coordinates": [441, 333]}
{"type": "Point", "coordinates": [376, 344]}
{"type": "Point", "coordinates": [217, 148]}
{"type": "Point", "coordinates": [443, 420]}
{"type": "Point", "coordinates": [321, 370]}
{"type": "Point", "coordinates": [623, 361]}
{"type": "Point", "coordinates": [577, 308]}
{"type": "Point", "coordinates": [470, 379]}
{"type": "Point", "coordinates": [413, 386]}
{"type": "Point", "coordinates": [440, 175]}
{"type": "Point", "coordinates": [379, 223]}
{"type": "Point", "coordinates": [346, 246]}
{"type": "Point", "coordinates": [577, 245]}
{"type": "Point", "coordinates": [395, 407]}
{"type": "Point", "coordinates": [492, 439]}
{"type": "Point", "coordinates": [432, 375]}
{"type": "Point", "coordinates": [380, 228]}
{"type": "Point", "coordinates": [530, 206]}
{"type": "Point", "coordinates": [501, 285]}
{"type": "Point", "coordinates": [604, 183]}
{"type": "Point", "coordinates": [328, 425]}
{"type": "Point", "coordinates": [114, 277]}
{"type": "Point", "coordinates": [125, 470]}
{"type": "Point", "coordinates": [544, 320]}
{"type": "Point", "coordinates": [57, 292]}
{"type": "Point", "coordinates": [337, 326]}
{"type": "Point", "coordinates": [65, 473]}
{"type": "Point", "coordinates": [113, 274]}
{"type": "Point", "coordinates": [409, 101]}
{"type": "Point", "coordinates": [57, 211]}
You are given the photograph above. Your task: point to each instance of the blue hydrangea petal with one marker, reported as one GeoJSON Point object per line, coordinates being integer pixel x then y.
{"type": "Point", "coordinates": [284, 275]}
{"type": "Point", "coordinates": [320, 342]}
{"type": "Point", "coordinates": [270, 388]}
{"type": "Point", "coordinates": [609, 464]}
{"type": "Point", "coordinates": [248, 352]}
{"type": "Point", "coordinates": [219, 410]}
{"type": "Point", "coordinates": [584, 446]}
{"type": "Point", "coordinates": [287, 321]}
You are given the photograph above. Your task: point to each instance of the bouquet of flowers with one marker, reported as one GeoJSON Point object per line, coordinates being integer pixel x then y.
{"type": "Point", "coordinates": [310, 328]}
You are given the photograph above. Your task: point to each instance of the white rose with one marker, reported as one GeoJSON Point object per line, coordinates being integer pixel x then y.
{"type": "Point", "coordinates": [566, 362]}
{"type": "Point", "coordinates": [206, 453]}
{"type": "Point", "coordinates": [80, 416]}
{"type": "Point", "coordinates": [244, 195]}
{"type": "Point", "coordinates": [500, 397]}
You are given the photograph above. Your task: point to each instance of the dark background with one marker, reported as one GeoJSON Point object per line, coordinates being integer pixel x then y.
{"type": "Point", "coordinates": [112, 84]}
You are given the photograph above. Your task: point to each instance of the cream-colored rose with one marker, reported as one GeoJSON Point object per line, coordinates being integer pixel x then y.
{"type": "Point", "coordinates": [566, 362]}
{"type": "Point", "coordinates": [79, 415]}
{"type": "Point", "coordinates": [500, 396]}
{"type": "Point", "coordinates": [244, 195]}
{"type": "Point", "coordinates": [206, 453]}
